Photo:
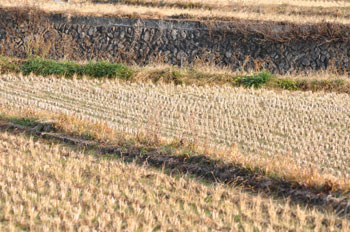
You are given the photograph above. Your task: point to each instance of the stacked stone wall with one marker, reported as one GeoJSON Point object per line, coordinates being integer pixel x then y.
{"type": "Point", "coordinates": [278, 47]}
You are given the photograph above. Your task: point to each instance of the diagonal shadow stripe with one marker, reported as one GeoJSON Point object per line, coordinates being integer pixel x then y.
{"type": "Point", "coordinates": [199, 166]}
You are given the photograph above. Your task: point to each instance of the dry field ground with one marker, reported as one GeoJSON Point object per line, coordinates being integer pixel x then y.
{"type": "Point", "coordinates": [298, 11]}
{"type": "Point", "coordinates": [47, 185]}
{"type": "Point", "coordinates": [311, 130]}
{"type": "Point", "coordinates": [300, 140]}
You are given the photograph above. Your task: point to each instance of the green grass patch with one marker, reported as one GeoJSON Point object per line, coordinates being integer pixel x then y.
{"type": "Point", "coordinates": [44, 67]}
{"type": "Point", "coordinates": [23, 121]}
{"type": "Point", "coordinates": [254, 80]}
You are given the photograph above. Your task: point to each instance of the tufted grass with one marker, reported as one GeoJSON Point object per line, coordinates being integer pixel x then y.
{"type": "Point", "coordinates": [45, 67]}
{"type": "Point", "coordinates": [254, 80]}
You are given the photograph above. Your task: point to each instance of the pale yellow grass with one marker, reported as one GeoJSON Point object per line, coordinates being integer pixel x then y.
{"type": "Point", "coordinates": [145, 73]}
{"type": "Point", "coordinates": [47, 187]}
{"type": "Point", "coordinates": [227, 3]}
{"type": "Point", "coordinates": [121, 10]}
{"type": "Point", "coordinates": [300, 133]}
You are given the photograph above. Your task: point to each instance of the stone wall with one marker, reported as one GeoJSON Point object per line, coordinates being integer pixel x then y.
{"type": "Point", "coordinates": [278, 47]}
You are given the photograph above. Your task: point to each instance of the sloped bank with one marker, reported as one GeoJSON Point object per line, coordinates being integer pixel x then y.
{"type": "Point", "coordinates": [277, 47]}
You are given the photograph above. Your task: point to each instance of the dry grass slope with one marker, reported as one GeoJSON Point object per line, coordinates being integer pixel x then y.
{"type": "Point", "coordinates": [287, 11]}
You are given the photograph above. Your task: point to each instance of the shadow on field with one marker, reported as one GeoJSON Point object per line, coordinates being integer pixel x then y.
{"type": "Point", "coordinates": [198, 166]}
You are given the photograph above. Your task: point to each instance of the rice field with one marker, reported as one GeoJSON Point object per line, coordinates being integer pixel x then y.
{"type": "Point", "coordinates": [300, 140]}
{"type": "Point", "coordinates": [308, 130]}
{"type": "Point", "coordinates": [49, 187]}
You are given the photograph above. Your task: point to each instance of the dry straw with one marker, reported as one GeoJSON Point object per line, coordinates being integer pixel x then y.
{"type": "Point", "coordinates": [292, 11]}
{"type": "Point", "coordinates": [47, 187]}
{"type": "Point", "coordinates": [301, 135]}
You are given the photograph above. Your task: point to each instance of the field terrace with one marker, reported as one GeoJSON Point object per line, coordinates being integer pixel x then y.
{"type": "Point", "coordinates": [160, 147]}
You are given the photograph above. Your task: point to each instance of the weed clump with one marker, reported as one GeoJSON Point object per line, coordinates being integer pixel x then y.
{"type": "Point", "coordinates": [106, 69]}
{"type": "Point", "coordinates": [286, 84]}
{"type": "Point", "coordinates": [44, 67]}
{"type": "Point", "coordinates": [8, 65]}
{"type": "Point", "coordinates": [255, 80]}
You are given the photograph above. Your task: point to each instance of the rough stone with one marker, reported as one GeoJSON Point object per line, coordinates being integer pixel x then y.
{"type": "Point", "coordinates": [305, 61]}
{"type": "Point", "coordinates": [174, 34]}
{"type": "Point", "coordinates": [170, 41]}
{"type": "Point", "coordinates": [183, 34]}
{"type": "Point", "coordinates": [146, 36]}
{"type": "Point", "coordinates": [91, 31]}
{"type": "Point", "coordinates": [122, 35]}
{"type": "Point", "coordinates": [181, 55]}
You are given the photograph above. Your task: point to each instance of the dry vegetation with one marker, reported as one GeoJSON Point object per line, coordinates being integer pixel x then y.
{"type": "Point", "coordinates": [287, 11]}
{"type": "Point", "coordinates": [46, 185]}
{"type": "Point", "coordinates": [293, 137]}
{"type": "Point", "coordinates": [299, 135]}
{"type": "Point", "coordinates": [49, 187]}
{"type": "Point", "coordinates": [230, 3]}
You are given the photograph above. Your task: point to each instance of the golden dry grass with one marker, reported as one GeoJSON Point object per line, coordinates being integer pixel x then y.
{"type": "Point", "coordinates": [299, 135]}
{"type": "Point", "coordinates": [50, 187]}
{"type": "Point", "coordinates": [228, 3]}
{"type": "Point", "coordinates": [286, 11]}
{"type": "Point", "coordinates": [205, 74]}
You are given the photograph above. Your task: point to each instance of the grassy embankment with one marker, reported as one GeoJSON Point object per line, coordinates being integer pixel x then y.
{"type": "Point", "coordinates": [171, 74]}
